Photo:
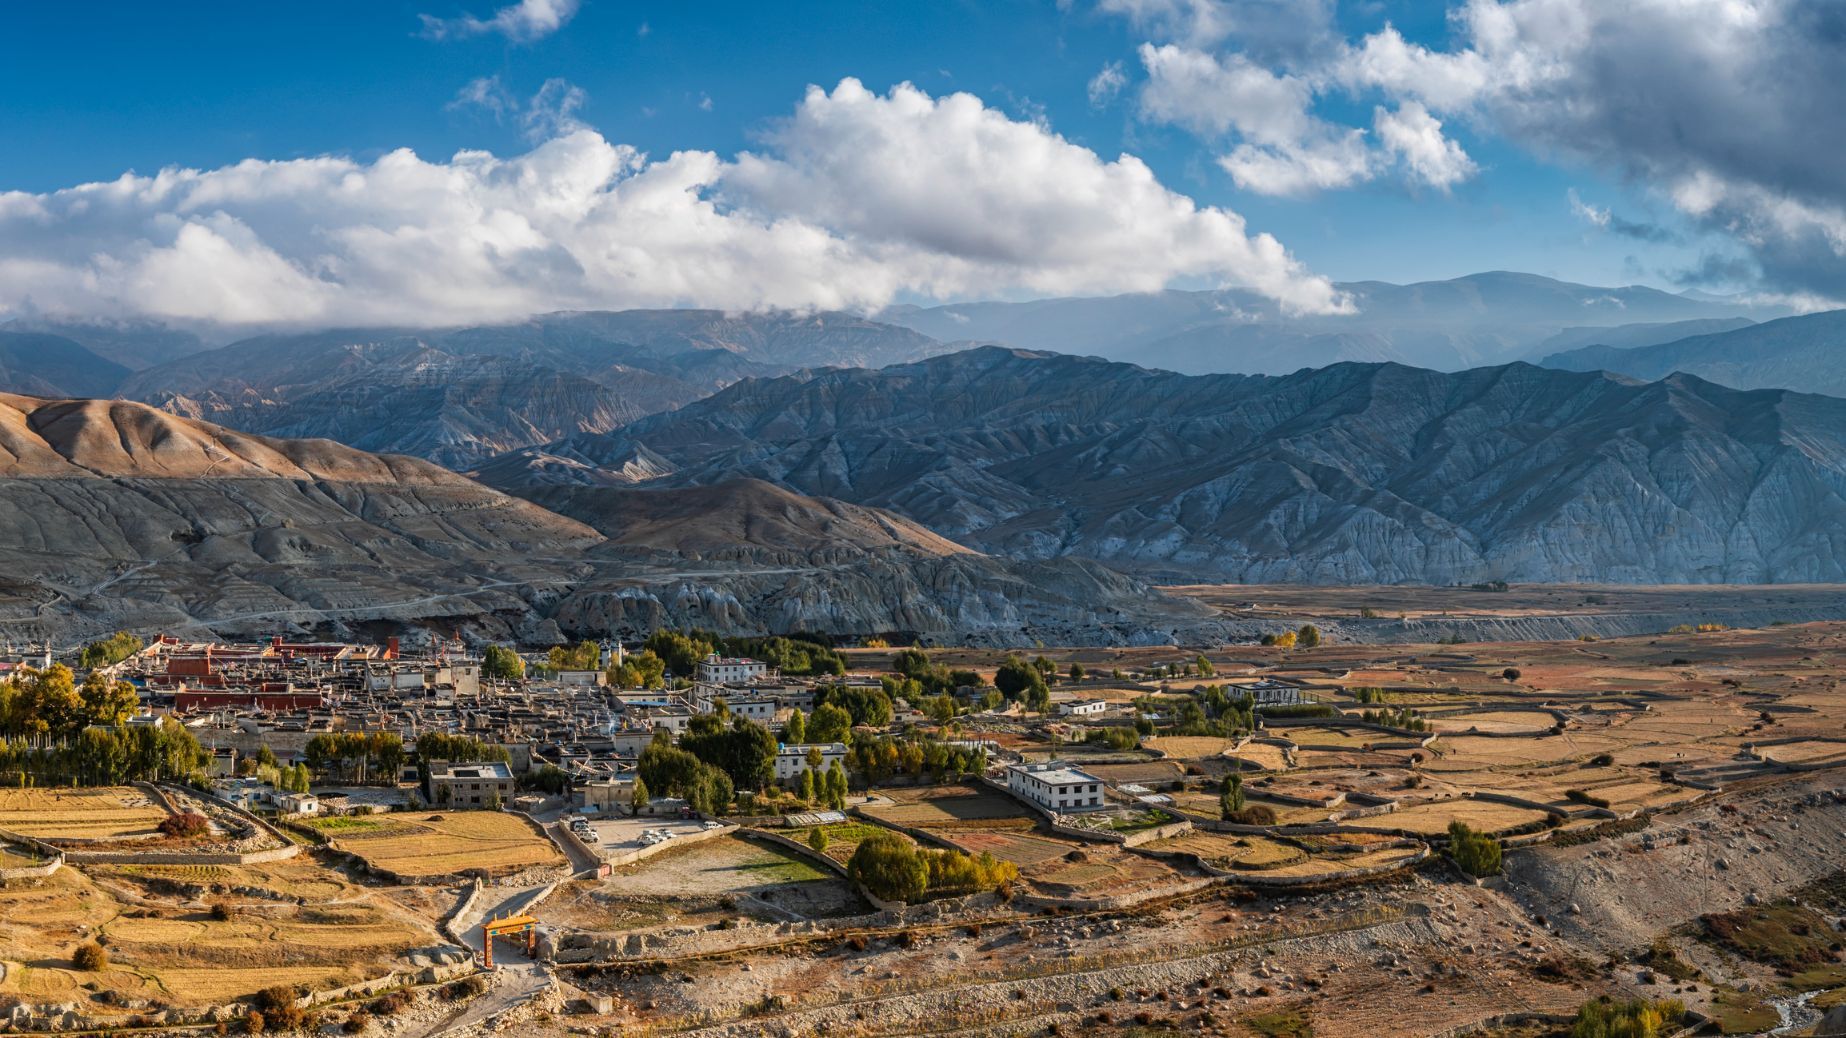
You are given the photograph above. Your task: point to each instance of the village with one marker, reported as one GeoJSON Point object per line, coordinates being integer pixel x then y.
{"type": "Point", "coordinates": [789, 837]}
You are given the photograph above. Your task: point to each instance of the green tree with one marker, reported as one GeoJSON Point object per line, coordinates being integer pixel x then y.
{"type": "Point", "coordinates": [890, 867]}
{"type": "Point", "coordinates": [1231, 801]}
{"type": "Point", "coordinates": [1308, 637]}
{"type": "Point", "coordinates": [1476, 854]}
{"type": "Point", "coordinates": [499, 663]}
{"type": "Point", "coordinates": [639, 670]}
{"type": "Point", "coordinates": [808, 792]}
{"type": "Point", "coordinates": [109, 651]}
{"type": "Point", "coordinates": [680, 652]}
{"type": "Point", "coordinates": [817, 840]}
{"type": "Point", "coordinates": [105, 702]}
{"type": "Point", "coordinates": [638, 799]}
{"type": "Point", "coordinates": [1077, 673]}
{"type": "Point", "coordinates": [830, 723]}
{"type": "Point", "coordinates": [1204, 666]}
{"type": "Point", "coordinates": [796, 730]}
{"type": "Point", "coordinates": [1017, 679]}
{"type": "Point", "coordinates": [585, 655]}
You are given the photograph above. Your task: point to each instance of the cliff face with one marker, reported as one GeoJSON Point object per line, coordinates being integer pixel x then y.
{"type": "Point", "coordinates": [1348, 474]}
{"type": "Point", "coordinates": [459, 395]}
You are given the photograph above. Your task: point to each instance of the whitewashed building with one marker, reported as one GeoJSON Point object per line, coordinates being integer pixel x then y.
{"type": "Point", "coordinates": [1057, 787]}
{"type": "Point", "coordinates": [726, 670]}
{"type": "Point", "coordinates": [1083, 708]}
{"type": "Point", "coordinates": [792, 760]}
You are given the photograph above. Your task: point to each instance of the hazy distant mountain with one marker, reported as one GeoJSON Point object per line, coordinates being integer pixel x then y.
{"type": "Point", "coordinates": [461, 394]}
{"type": "Point", "coordinates": [132, 344]}
{"type": "Point", "coordinates": [1354, 473]}
{"type": "Point", "coordinates": [51, 365]}
{"type": "Point", "coordinates": [1629, 336]}
{"type": "Point", "coordinates": [1807, 353]}
{"type": "Point", "coordinates": [1447, 325]}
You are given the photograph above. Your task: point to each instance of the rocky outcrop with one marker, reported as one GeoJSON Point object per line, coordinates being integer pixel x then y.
{"type": "Point", "coordinates": [1348, 474]}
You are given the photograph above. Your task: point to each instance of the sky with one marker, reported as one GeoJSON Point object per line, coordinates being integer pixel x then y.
{"type": "Point", "coordinates": [453, 160]}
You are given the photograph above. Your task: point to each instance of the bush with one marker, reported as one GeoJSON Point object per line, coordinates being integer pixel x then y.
{"type": "Point", "coordinates": [221, 912]}
{"type": "Point", "coordinates": [357, 1021]}
{"type": "Point", "coordinates": [185, 825]}
{"type": "Point", "coordinates": [90, 957]}
{"type": "Point", "coordinates": [1255, 814]}
{"type": "Point", "coordinates": [391, 1004]}
{"type": "Point", "coordinates": [1477, 854]}
{"type": "Point", "coordinates": [254, 1023]}
{"type": "Point", "coordinates": [277, 1005]}
{"type": "Point", "coordinates": [1639, 1018]}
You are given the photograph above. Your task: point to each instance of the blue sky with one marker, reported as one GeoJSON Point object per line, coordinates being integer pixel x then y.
{"type": "Point", "coordinates": [96, 90]}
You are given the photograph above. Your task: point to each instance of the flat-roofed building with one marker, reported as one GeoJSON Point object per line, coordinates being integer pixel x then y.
{"type": "Point", "coordinates": [1056, 787]}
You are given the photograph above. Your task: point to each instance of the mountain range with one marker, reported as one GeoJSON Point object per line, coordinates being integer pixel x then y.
{"type": "Point", "coordinates": [1465, 322]}
{"type": "Point", "coordinates": [1354, 473]}
{"type": "Point", "coordinates": [1804, 353]}
{"type": "Point", "coordinates": [118, 515]}
{"type": "Point", "coordinates": [458, 395]}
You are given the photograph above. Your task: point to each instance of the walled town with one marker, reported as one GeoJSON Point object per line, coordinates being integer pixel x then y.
{"type": "Point", "coordinates": [785, 837]}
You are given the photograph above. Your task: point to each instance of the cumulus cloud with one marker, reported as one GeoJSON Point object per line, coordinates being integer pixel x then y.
{"type": "Point", "coordinates": [856, 197]}
{"type": "Point", "coordinates": [1280, 146]}
{"type": "Point", "coordinates": [1415, 137]}
{"type": "Point", "coordinates": [1106, 84]}
{"type": "Point", "coordinates": [1732, 111]}
{"type": "Point", "coordinates": [522, 22]}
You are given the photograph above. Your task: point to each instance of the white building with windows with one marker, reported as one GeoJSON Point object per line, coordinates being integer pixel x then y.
{"type": "Point", "coordinates": [727, 670]}
{"type": "Point", "coordinates": [792, 759]}
{"type": "Point", "coordinates": [1057, 787]}
{"type": "Point", "coordinates": [1084, 708]}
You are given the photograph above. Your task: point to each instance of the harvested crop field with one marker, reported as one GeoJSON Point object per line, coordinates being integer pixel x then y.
{"type": "Point", "coordinates": [1228, 851]}
{"type": "Point", "coordinates": [727, 876]}
{"type": "Point", "coordinates": [1026, 850]}
{"type": "Point", "coordinates": [80, 815]}
{"type": "Point", "coordinates": [173, 955]}
{"type": "Point", "coordinates": [1433, 818]}
{"type": "Point", "coordinates": [1187, 747]}
{"type": "Point", "coordinates": [442, 843]}
{"type": "Point", "coordinates": [1529, 722]}
{"type": "Point", "coordinates": [951, 807]}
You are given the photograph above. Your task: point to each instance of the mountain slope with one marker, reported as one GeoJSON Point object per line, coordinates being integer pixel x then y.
{"type": "Point", "coordinates": [458, 395]}
{"type": "Point", "coordinates": [113, 514]}
{"type": "Point", "coordinates": [1803, 353]}
{"type": "Point", "coordinates": [1465, 322]}
{"type": "Point", "coordinates": [51, 365]}
{"type": "Point", "coordinates": [1349, 474]}
{"type": "Point", "coordinates": [117, 515]}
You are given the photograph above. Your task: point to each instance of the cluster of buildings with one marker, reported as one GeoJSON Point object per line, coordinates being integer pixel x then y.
{"type": "Point", "coordinates": [238, 699]}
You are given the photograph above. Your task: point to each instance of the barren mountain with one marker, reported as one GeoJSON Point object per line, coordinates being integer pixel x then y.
{"type": "Point", "coordinates": [1348, 474]}
{"type": "Point", "coordinates": [114, 514]}
{"type": "Point", "coordinates": [51, 365]}
{"type": "Point", "coordinates": [1803, 353]}
{"type": "Point", "coordinates": [1465, 322]}
{"type": "Point", "coordinates": [458, 395]}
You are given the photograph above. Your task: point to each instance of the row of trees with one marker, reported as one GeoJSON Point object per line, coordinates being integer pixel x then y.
{"type": "Point", "coordinates": [882, 757]}
{"type": "Point", "coordinates": [104, 757]}
{"type": "Point", "coordinates": [895, 869]}
{"type": "Point", "coordinates": [1308, 637]}
{"type": "Point", "coordinates": [110, 651]}
{"type": "Point", "coordinates": [37, 703]}
{"type": "Point", "coordinates": [360, 757]}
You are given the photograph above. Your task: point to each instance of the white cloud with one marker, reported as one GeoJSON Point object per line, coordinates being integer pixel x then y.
{"type": "Point", "coordinates": [1415, 138]}
{"type": "Point", "coordinates": [522, 22]}
{"type": "Point", "coordinates": [1598, 217]}
{"type": "Point", "coordinates": [1193, 89]}
{"type": "Point", "coordinates": [1106, 84]}
{"type": "Point", "coordinates": [854, 199]}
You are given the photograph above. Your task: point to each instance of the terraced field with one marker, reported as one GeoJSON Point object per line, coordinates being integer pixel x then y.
{"type": "Point", "coordinates": [327, 932]}
{"type": "Point", "coordinates": [1432, 819]}
{"type": "Point", "coordinates": [442, 843]}
{"type": "Point", "coordinates": [80, 815]}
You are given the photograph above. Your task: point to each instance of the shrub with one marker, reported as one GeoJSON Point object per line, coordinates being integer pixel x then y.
{"type": "Point", "coordinates": [391, 1004]}
{"type": "Point", "coordinates": [357, 1021]}
{"type": "Point", "coordinates": [254, 1023]}
{"type": "Point", "coordinates": [185, 825]}
{"type": "Point", "coordinates": [277, 1004]}
{"type": "Point", "coordinates": [1639, 1018]}
{"type": "Point", "coordinates": [90, 957]}
{"type": "Point", "coordinates": [1477, 854]}
{"type": "Point", "coordinates": [221, 912]}
{"type": "Point", "coordinates": [1255, 814]}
